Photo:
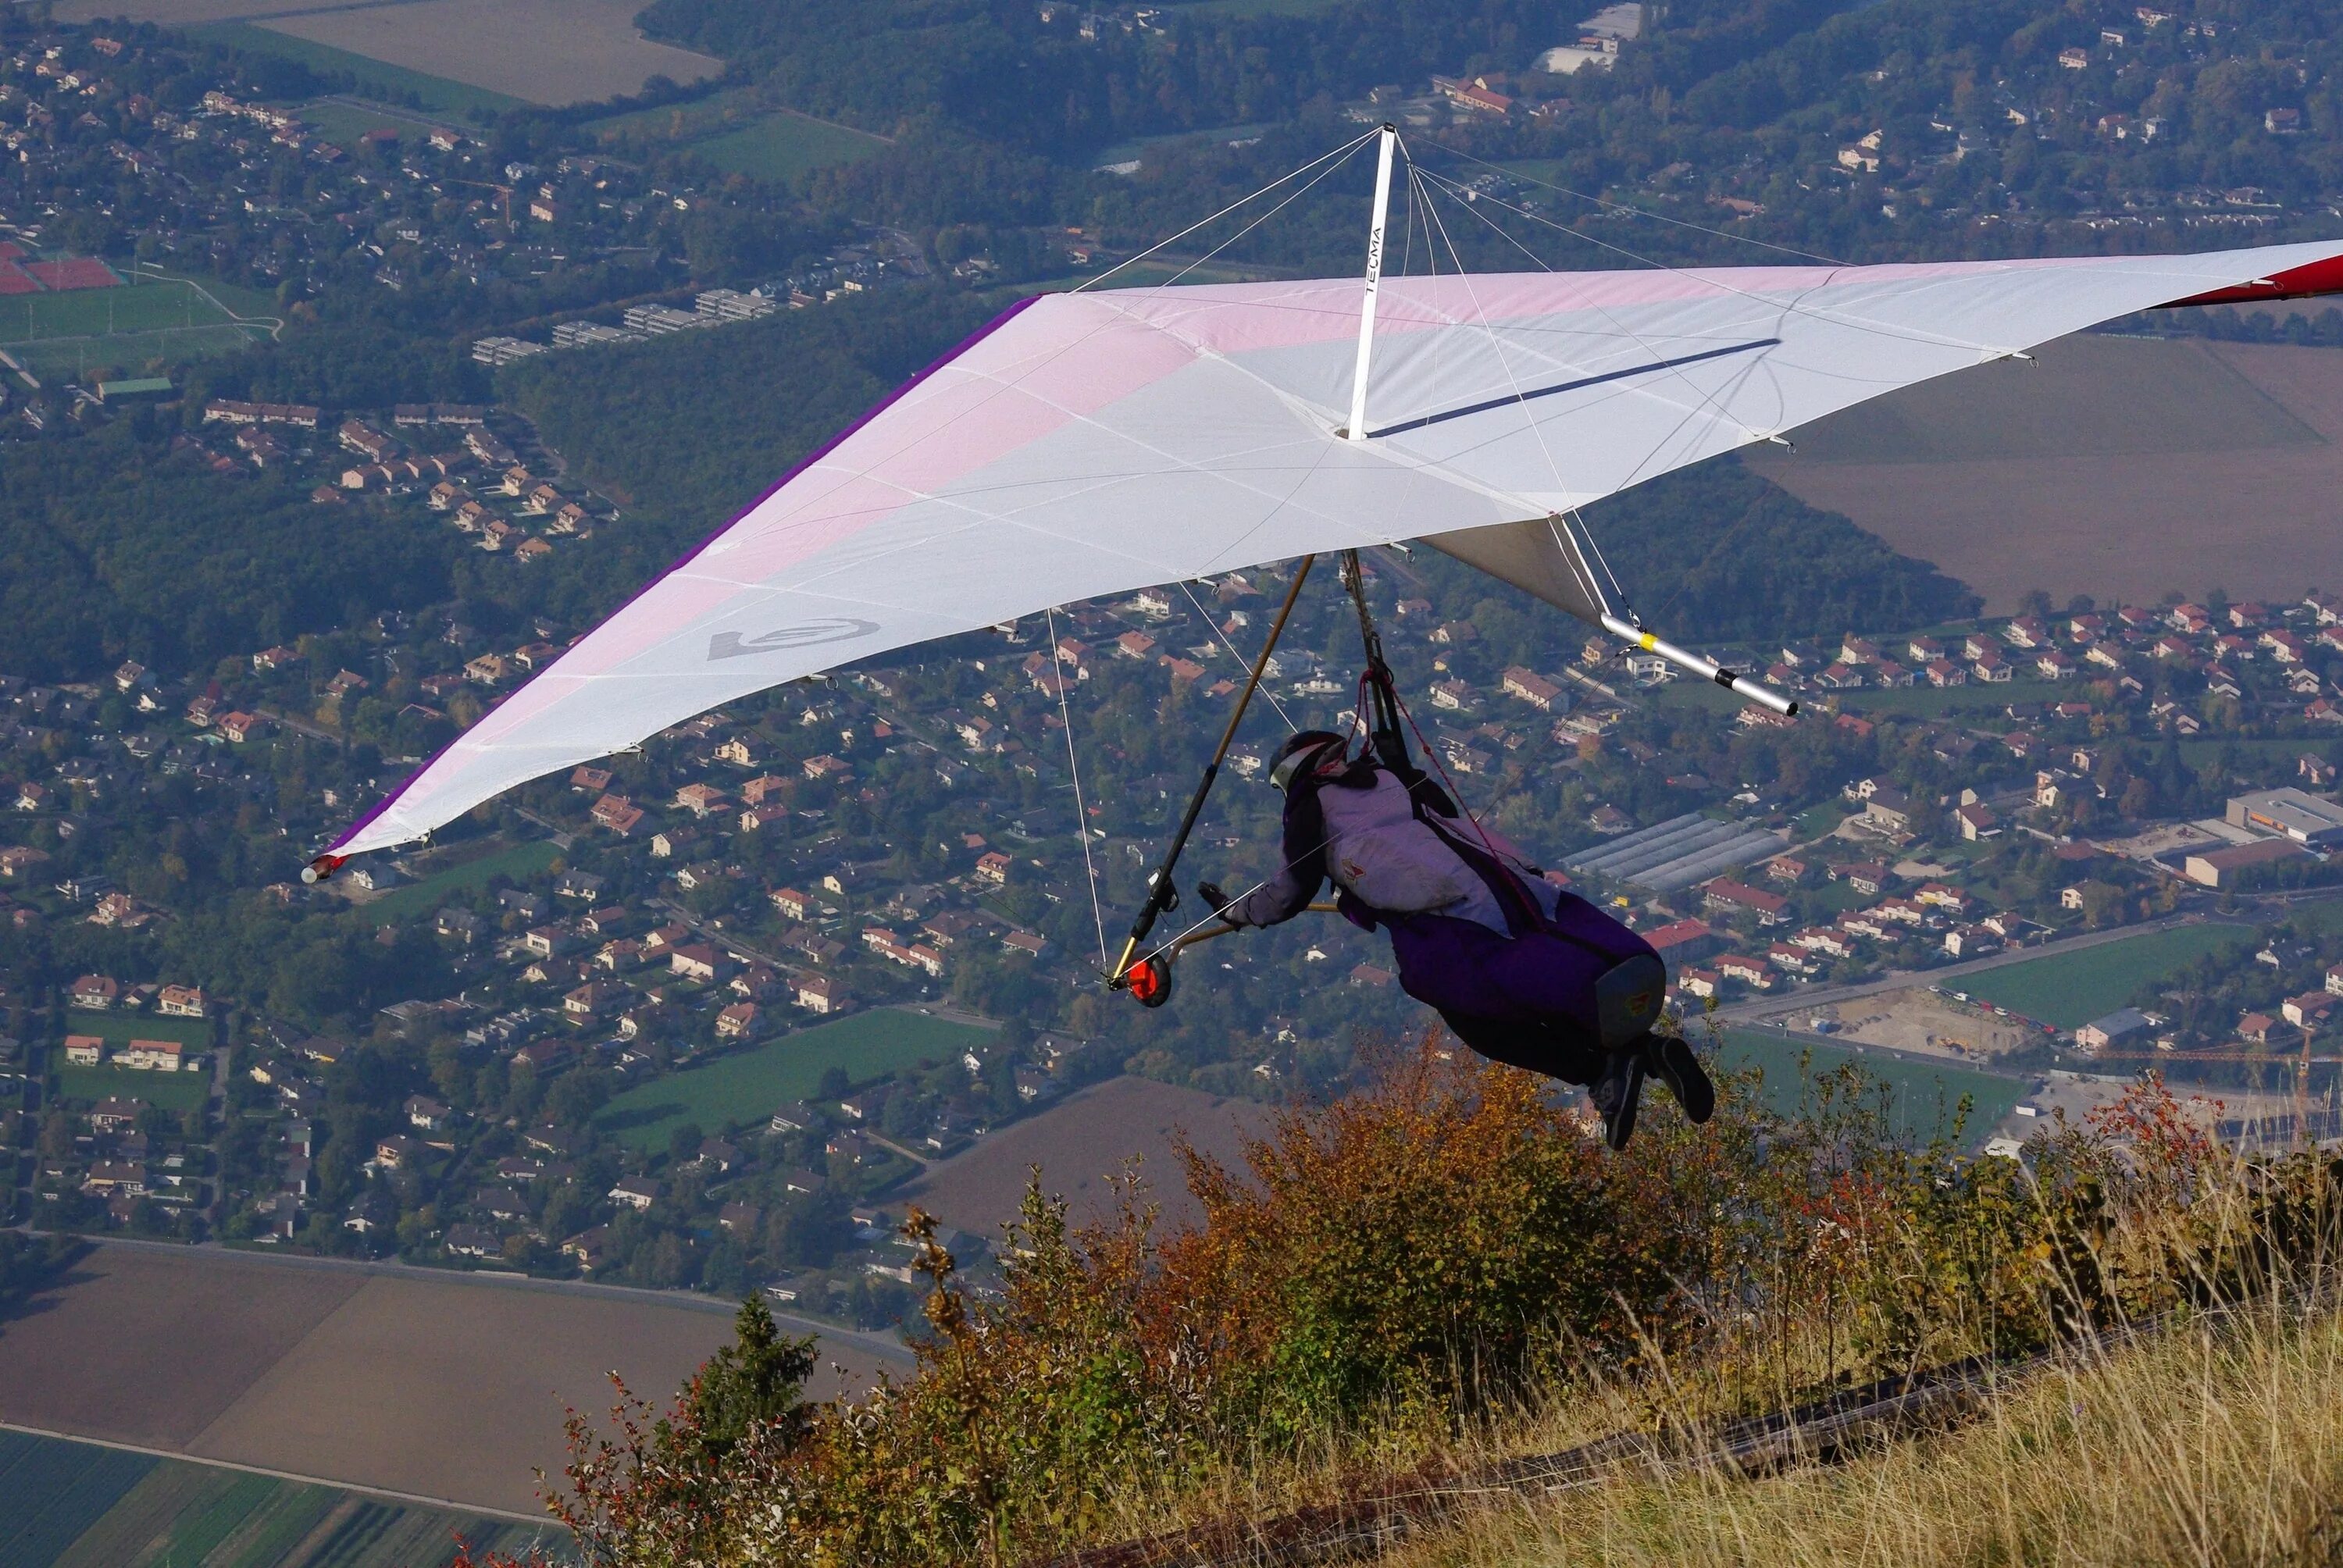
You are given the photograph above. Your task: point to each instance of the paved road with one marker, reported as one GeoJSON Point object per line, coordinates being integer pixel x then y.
{"type": "Point", "coordinates": [1901, 979]}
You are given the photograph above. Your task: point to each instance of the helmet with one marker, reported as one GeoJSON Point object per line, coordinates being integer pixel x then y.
{"type": "Point", "coordinates": [1306, 751]}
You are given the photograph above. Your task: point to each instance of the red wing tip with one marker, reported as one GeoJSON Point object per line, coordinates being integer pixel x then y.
{"type": "Point", "coordinates": [323, 867]}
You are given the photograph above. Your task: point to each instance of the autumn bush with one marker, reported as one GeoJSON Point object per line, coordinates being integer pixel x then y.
{"type": "Point", "coordinates": [1443, 1250]}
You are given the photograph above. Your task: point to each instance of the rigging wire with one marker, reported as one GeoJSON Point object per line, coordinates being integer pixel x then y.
{"type": "Point", "coordinates": [1710, 278]}
{"type": "Point", "coordinates": [1264, 218]}
{"type": "Point", "coordinates": [1630, 207]}
{"type": "Point", "coordinates": [1482, 317]}
{"type": "Point", "coordinates": [1243, 662]}
{"type": "Point", "coordinates": [1700, 409]}
{"type": "Point", "coordinates": [1338, 153]}
{"type": "Point", "coordinates": [1082, 813]}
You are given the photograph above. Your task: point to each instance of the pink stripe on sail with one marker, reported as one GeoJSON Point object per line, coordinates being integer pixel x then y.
{"type": "Point", "coordinates": [474, 738]}
{"type": "Point", "coordinates": [964, 420]}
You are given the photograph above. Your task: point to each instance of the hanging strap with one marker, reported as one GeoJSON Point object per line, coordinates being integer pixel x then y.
{"type": "Point", "coordinates": [1379, 705]}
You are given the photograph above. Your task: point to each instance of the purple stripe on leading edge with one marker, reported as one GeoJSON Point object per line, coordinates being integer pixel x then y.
{"type": "Point", "coordinates": [807, 461]}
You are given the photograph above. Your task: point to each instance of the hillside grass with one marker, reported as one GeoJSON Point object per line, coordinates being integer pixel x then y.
{"type": "Point", "coordinates": [750, 1085]}
{"type": "Point", "coordinates": [2219, 1446]}
{"type": "Point", "coordinates": [2069, 990]}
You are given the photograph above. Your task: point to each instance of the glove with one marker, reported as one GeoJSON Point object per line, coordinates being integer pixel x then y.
{"type": "Point", "coordinates": [1222, 904]}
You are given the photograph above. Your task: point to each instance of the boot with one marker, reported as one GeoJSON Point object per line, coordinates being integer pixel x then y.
{"type": "Point", "coordinates": [1618, 1092]}
{"type": "Point", "coordinates": [1667, 1058]}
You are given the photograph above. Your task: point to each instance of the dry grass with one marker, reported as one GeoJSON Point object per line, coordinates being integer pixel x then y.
{"type": "Point", "coordinates": [2216, 1444]}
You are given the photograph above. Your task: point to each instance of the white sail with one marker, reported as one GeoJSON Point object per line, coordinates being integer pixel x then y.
{"type": "Point", "coordinates": [1094, 443]}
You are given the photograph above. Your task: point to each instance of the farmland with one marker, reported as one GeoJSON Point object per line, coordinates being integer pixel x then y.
{"type": "Point", "coordinates": [377, 76]}
{"type": "Point", "coordinates": [437, 1387]}
{"type": "Point", "coordinates": [1921, 1098]}
{"type": "Point", "coordinates": [2121, 467]}
{"type": "Point", "coordinates": [1084, 1142]}
{"type": "Point", "coordinates": [746, 1085]}
{"type": "Point", "coordinates": [87, 1506]}
{"type": "Point", "coordinates": [494, 52]}
{"type": "Point", "coordinates": [2071, 988]}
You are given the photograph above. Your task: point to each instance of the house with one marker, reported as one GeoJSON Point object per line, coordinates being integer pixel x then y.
{"type": "Point", "coordinates": [698, 961]}
{"type": "Point", "coordinates": [791, 904]}
{"type": "Point", "coordinates": [2222, 868]}
{"type": "Point", "coordinates": [472, 1241]}
{"type": "Point", "coordinates": [1749, 971]}
{"type": "Point", "coordinates": [237, 727]}
{"type": "Point", "coordinates": [85, 1049]}
{"type": "Point", "coordinates": [393, 1152]}
{"type": "Point", "coordinates": [1681, 941]}
{"type": "Point", "coordinates": [154, 1056]}
{"type": "Point", "coordinates": [425, 1114]}
{"type": "Point", "coordinates": [618, 814]}
{"type": "Point", "coordinates": [590, 1000]}
{"type": "Point", "coordinates": [1532, 689]}
{"type": "Point", "coordinates": [2256, 1027]}
{"type": "Point", "coordinates": [1976, 822]}
{"type": "Point", "coordinates": [1888, 810]}
{"type": "Point", "coordinates": [1701, 982]}
{"type": "Point", "coordinates": [2122, 1025]}
{"type": "Point", "coordinates": [94, 993]}
{"type": "Point", "coordinates": [702, 800]}
{"type": "Point", "coordinates": [114, 1114]}
{"type": "Point", "coordinates": [819, 993]}
{"type": "Point", "coordinates": [737, 1022]}
{"type": "Point", "coordinates": [590, 1247]}
{"type": "Point", "coordinates": [636, 1193]}
{"type": "Point", "coordinates": [1971, 941]}
{"type": "Point", "coordinates": [1823, 940]}
{"type": "Point", "coordinates": [992, 867]}
{"type": "Point", "coordinates": [1739, 898]}
{"type": "Point", "coordinates": [740, 1218]}
{"type": "Point", "coordinates": [115, 1179]}
{"type": "Point", "coordinates": [2308, 1011]}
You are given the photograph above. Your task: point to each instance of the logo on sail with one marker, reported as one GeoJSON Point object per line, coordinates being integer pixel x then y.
{"type": "Point", "coordinates": [838, 629]}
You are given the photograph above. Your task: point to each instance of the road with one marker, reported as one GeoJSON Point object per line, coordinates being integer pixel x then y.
{"type": "Point", "coordinates": [1900, 980]}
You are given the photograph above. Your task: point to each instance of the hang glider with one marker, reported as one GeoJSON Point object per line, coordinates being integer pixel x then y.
{"type": "Point", "coordinates": [1088, 444]}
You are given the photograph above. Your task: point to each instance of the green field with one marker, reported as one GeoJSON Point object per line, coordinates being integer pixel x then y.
{"type": "Point", "coordinates": [518, 862]}
{"type": "Point", "coordinates": [786, 147]}
{"type": "Point", "coordinates": [122, 1026]}
{"type": "Point", "coordinates": [737, 134]}
{"type": "Point", "coordinates": [749, 1084]}
{"type": "Point", "coordinates": [153, 317]}
{"type": "Point", "coordinates": [127, 353]}
{"type": "Point", "coordinates": [1921, 1098]}
{"type": "Point", "coordinates": [77, 1502]}
{"type": "Point", "coordinates": [167, 1091]}
{"type": "Point", "coordinates": [343, 124]}
{"type": "Point", "coordinates": [433, 94]}
{"type": "Point", "coordinates": [2069, 990]}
